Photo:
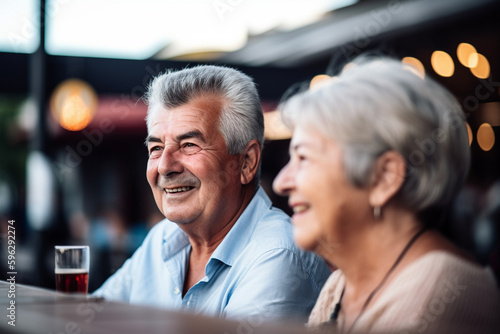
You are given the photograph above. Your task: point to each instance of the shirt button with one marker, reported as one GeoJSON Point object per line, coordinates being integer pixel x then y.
{"type": "Point", "coordinates": [177, 291]}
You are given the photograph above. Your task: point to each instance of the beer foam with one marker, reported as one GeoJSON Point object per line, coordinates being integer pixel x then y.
{"type": "Point", "coordinates": [71, 271]}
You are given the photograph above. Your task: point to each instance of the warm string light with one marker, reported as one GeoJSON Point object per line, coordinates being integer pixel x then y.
{"type": "Point", "coordinates": [476, 62]}
{"type": "Point", "coordinates": [482, 68]}
{"type": "Point", "coordinates": [73, 104]}
{"type": "Point", "coordinates": [442, 63]}
{"type": "Point", "coordinates": [274, 129]}
{"type": "Point", "coordinates": [467, 55]}
{"type": "Point", "coordinates": [485, 137]}
{"type": "Point", "coordinates": [469, 133]}
{"type": "Point", "coordinates": [318, 81]}
{"type": "Point", "coordinates": [414, 65]}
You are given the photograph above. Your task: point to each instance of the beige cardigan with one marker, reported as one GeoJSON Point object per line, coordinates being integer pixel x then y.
{"type": "Point", "coordinates": [438, 293]}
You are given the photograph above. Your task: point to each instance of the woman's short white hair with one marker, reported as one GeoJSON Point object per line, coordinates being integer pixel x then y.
{"type": "Point", "coordinates": [379, 105]}
{"type": "Point", "coordinates": [241, 119]}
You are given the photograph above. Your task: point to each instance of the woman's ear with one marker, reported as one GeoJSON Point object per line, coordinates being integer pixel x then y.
{"type": "Point", "coordinates": [388, 177]}
{"type": "Point", "coordinates": [250, 161]}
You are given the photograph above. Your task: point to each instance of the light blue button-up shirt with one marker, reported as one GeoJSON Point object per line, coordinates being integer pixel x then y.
{"type": "Point", "coordinates": [255, 271]}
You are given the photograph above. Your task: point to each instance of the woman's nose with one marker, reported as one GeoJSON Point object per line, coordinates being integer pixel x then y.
{"type": "Point", "coordinates": [284, 181]}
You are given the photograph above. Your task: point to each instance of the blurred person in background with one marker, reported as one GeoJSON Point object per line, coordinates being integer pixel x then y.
{"type": "Point", "coordinates": [377, 155]}
{"type": "Point", "coordinates": [223, 249]}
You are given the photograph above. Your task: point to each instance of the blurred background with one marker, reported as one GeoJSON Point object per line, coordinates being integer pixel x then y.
{"type": "Point", "coordinates": [72, 74]}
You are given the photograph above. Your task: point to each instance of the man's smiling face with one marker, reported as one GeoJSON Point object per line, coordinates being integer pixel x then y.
{"type": "Point", "coordinates": [192, 176]}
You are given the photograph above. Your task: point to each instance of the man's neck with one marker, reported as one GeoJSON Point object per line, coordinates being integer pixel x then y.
{"type": "Point", "coordinates": [205, 241]}
{"type": "Point", "coordinates": [205, 237]}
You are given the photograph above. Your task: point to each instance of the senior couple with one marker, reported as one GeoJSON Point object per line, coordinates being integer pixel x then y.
{"type": "Point", "coordinates": [364, 189]}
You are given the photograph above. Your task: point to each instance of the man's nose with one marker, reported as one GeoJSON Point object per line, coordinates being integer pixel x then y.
{"type": "Point", "coordinates": [170, 161]}
{"type": "Point", "coordinates": [285, 181]}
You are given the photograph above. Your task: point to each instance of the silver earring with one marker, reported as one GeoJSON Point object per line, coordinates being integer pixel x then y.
{"type": "Point", "coordinates": [377, 212]}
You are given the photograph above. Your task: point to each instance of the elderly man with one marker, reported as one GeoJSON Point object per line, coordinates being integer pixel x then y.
{"type": "Point", "coordinates": [223, 249]}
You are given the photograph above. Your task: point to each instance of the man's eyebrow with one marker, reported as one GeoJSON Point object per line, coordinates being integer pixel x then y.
{"type": "Point", "coordinates": [150, 139]}
{"type": "Point", "coordinates": [191, 134]}
{"type": "Point", "coordinates": [187, 135]}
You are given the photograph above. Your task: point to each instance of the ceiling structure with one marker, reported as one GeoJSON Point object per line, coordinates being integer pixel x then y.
{"type": "Point", "coordinates": [362, 25]}
{"type": "Point", "coordinates": [279, 58]}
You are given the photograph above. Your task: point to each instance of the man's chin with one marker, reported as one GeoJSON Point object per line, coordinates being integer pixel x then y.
{"type": "Point", "coordinates": [181, 222]}
{"type": "Point", "coordinates": [178, 219]}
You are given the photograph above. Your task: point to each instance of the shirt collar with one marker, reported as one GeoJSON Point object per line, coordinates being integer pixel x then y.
{"type": "Point", "coordinates": [174, 239]}
{"type": "Point", "coordinates": [240, 234]}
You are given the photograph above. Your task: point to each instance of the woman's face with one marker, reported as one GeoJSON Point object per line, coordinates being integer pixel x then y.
{"type": "Point", "coordinates": [327, 208]}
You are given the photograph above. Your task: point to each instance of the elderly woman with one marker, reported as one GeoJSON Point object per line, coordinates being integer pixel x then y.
{"type": "Point", "coordinates": [377, 155]}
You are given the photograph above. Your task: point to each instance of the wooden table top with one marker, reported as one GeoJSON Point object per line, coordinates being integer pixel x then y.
{"type": "Point", "coordinates": [45, 311]}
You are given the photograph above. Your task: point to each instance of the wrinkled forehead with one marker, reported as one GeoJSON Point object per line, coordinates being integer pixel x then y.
{"type": "Point", "coordinates": [203, 110]}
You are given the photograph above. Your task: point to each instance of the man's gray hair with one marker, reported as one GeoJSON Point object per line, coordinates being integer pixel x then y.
{"type": "Point", "coordinates": [241, 117]}
{"type": "Point", "coordinates": [378, 105]}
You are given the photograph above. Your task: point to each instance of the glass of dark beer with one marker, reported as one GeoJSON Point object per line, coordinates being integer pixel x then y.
{"type": "Point", "coordinates": [72, 269]}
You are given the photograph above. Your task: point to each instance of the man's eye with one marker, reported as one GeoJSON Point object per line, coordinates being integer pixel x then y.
{"type": "Point", "coordinates": [190, 148]}
{"type": "Point", "coordinates": [154, 149]}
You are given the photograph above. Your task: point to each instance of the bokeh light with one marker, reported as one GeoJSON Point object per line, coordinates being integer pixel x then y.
{"type": "Point", "coordinates": [485, 137]}
{"type": "Point", "coordinates": [73, 104]}
{"type": "Point", "coordinates": [75, 114]}
{"type": "Point", "coordinates": [469, 133]}
{"type": "Point", "coordinates": [318, 81]}
{"type": "Point", "coordinates": [442, 63]}
{"type": "Point", "coordinates": [415, 65]}
{"type": "Point", "coordinates": [274, 129]}
{"type": "Point", "coordinates": [482, 69]}
{"type": "Point", "coordinates": [467, 55]}
{"type": "Point", "coordinates": [348, 66]}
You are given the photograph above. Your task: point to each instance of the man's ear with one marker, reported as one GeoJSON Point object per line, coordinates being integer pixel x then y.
{"type": "Point", "coordinates": [250, 161]}
{"type": "Point", "coordinates": [388, 176]}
